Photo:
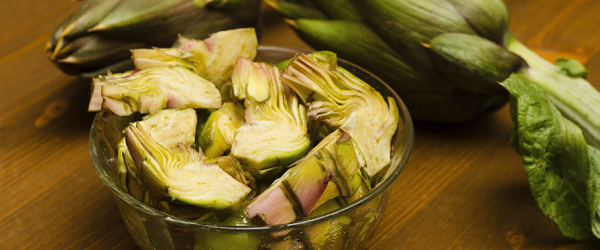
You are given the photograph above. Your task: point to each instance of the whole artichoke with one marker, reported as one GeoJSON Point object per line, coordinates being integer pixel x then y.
{"type": "Point", "coordinates": [443, 57]}
{"type": "Point", "coordinates": [100, 34]}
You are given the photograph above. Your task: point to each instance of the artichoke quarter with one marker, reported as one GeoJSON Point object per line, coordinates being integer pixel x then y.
{"type": "Point", "coordinates": [332, 169]}
{"type": "Point", "coordinates": [274, 133]}
{"type": "Point", "coordinates": [342, 100]}
{"type": "Point", "coordinates": [180, 175]}
{"type": "Point", "coordinates": [99, 35]}
{"type": "Point", "coordinates": [152, 89]}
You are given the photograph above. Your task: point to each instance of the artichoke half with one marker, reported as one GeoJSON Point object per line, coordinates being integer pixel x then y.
{"type": "Point", "coordinates": [219, 130]}
{"type": "Point", "coordinates": [99, 35]}
{"type": "Point", "coordinates": [274, 133]}
{"type": "Point", "coordinates": [180, 175]}
{"type": "Point", "coordinates": [342, 100]}
{"type": "Point", "coordinates": [153, 89]}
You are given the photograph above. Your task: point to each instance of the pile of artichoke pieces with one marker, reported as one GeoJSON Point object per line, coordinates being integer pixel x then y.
{"type": "Point", "coordinates": [225, 135]}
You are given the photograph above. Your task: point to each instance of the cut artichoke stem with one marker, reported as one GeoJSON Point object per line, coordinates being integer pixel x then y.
{"type": "Point", "coordinates": [153, 89]}
{"type": "Point", "coordinates": [342, 100]}
{"type": "Point", "coordinates": [274, 134]}
{"type": "Point", "coordinates": [575, 97]}
{"type": "Point", "coordinates": [217, 134]}
{"type": "Point", "coordinates": [180, 175]}
{"type": "Point", "coordinates": [212, 58]}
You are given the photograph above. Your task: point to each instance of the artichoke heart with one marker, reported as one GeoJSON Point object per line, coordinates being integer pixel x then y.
{"type": "Point", "coordinates": [180, 175]}
{"type": "Point", "coordinates": [274, 135]}
{"type": "Point", "coordinates": [342, 100]}
{"type": "Point", "coordinates": [217, 134]}
{"type": "Point", "coordinates": [153, 89]}
{"type": "Point", "coordinates": [212, 58]}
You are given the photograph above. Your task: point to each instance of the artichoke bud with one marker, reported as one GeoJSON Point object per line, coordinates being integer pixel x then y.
{"type": "Point", "coordinates": [94, 51]}
{"type": "Point", "coordinates": [343, 100]}
{"type": "Point", "coordinates": [474, 63]}
{"type": "Point", "coordinates": [572, 67]}
{"type": "Point", "coordinates": [181, 176]}
{"type": "Point", "coordinates": [274, 134]}
{"type": "Point", "coordinates": [217, 134]}
{"type": "Point", "coordinates": [153, 89]}
{"type": "Point", "coordinates": [296, 10]}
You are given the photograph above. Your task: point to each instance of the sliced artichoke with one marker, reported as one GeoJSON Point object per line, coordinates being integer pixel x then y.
{"type": "Point", "coordinates": [340, 99]}
{"type": "Point", "coordinates": [274, 135]}
{"type": "Point", "coordinates": [315, 180]}
{"type": "Point", "coordinates": [168, 128]}
{"type": "Point", "coordinates": [212, 58]}
{"type": "Point", "coordinates": [180, 175]}
{"type": "Point", "coordinates": [232, 167]}
{"type": "Point", "coordinates": [153, 89]}
{"type": "Point", "coordinates": [330, 234]}
{"type": "Point", "coordinates": [217, 134]}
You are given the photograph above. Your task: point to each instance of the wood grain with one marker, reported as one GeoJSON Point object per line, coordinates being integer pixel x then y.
{"type": "Point", "coordinates": [464, 187]}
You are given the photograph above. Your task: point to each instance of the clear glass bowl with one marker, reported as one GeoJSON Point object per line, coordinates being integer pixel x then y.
{"type": "Point", "coordinates": [349, 227]}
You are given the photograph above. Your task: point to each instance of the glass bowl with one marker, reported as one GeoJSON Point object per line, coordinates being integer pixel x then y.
{"type": "Point", "coordinates": [349, 227]}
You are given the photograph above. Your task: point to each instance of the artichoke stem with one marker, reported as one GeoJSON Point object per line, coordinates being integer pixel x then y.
{"type": "Point", "coordinates": [575, 97]}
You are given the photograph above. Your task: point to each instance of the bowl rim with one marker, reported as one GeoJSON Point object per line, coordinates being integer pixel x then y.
{"type": "Point", "coordinates": [186, 223]}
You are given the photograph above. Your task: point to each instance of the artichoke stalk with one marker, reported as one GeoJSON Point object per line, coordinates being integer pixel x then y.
{"type": "Point", "coordinates": [181, 176]}
{"type": "Point", "coordinates": [340, 99]}
{"type": "Point", "coordinates": [274, 134]}
{"type": "Point", "coordinates": [99, 35]}
{"type": "Point", "coordinates": [443, 57]}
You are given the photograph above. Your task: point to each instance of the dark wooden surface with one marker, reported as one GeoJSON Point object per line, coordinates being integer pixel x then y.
{"type": "Point", "coordinates": [464, 187]}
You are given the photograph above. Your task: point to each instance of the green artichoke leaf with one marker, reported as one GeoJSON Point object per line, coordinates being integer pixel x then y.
{"type": "Point", "coordinates": [489, 18]}
{"type": "Point", "coordinates": [275, 132]}
{"type": "Point", "coordinates": [296, 10]}
{"type": "Point", "coordinates": [339, 9]}
{"type": "Point", "coordinates": [562, 169]}
{"type": "Point", "coordinates": [343, 100]}
{"type": "Point", "coordinates": [228, 241]}
{"type": "Point", "coordinates": [329, 234]}
{"type": "Point", "coordinates": [94, 51]}
{"type": "Point", "coordinates": [217, 134]}
{"type": "Point", "coordinates": [474, 63]}
{"type": "Point", "coordinates": [180, 175]}
{"type": "Point", "coordinates": [153, 89]}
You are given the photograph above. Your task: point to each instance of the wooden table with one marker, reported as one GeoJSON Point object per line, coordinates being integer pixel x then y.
{"type": "Point", "coordinates": [464, 186]}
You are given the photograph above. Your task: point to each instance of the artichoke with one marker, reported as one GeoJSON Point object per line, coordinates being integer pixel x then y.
{"type": "Point", "coordinates": [212, 58]}
{"type": "Point", "coordinates": [342, 100]}
{"type": "Point", "coordinates": [330, 170]}
{"type": "Point", "coordinates": [443, 57]}
{"type": "Point", "coordinates": [152, 89]}
{"type": "Point", "coordinates": [98, 36]}
{"type": "Point", "coordinates": [180, 175]}
{"type": "Point", "coordinates": [217, 134]}
{"type": "Point", "coordinates": [169, 128]}
{"type": "Point", "coordinates": [274, 134]}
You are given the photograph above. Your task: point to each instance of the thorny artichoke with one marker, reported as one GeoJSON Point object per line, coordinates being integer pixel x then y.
{"type": "Point", "coordinates": [343, 100]}
{"type": "Point", "coordinates": [274, 134]}
{"type": "Point", "coordinates": [443, 57]}
{"type": "Point", "coordinates": [98, 36]}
